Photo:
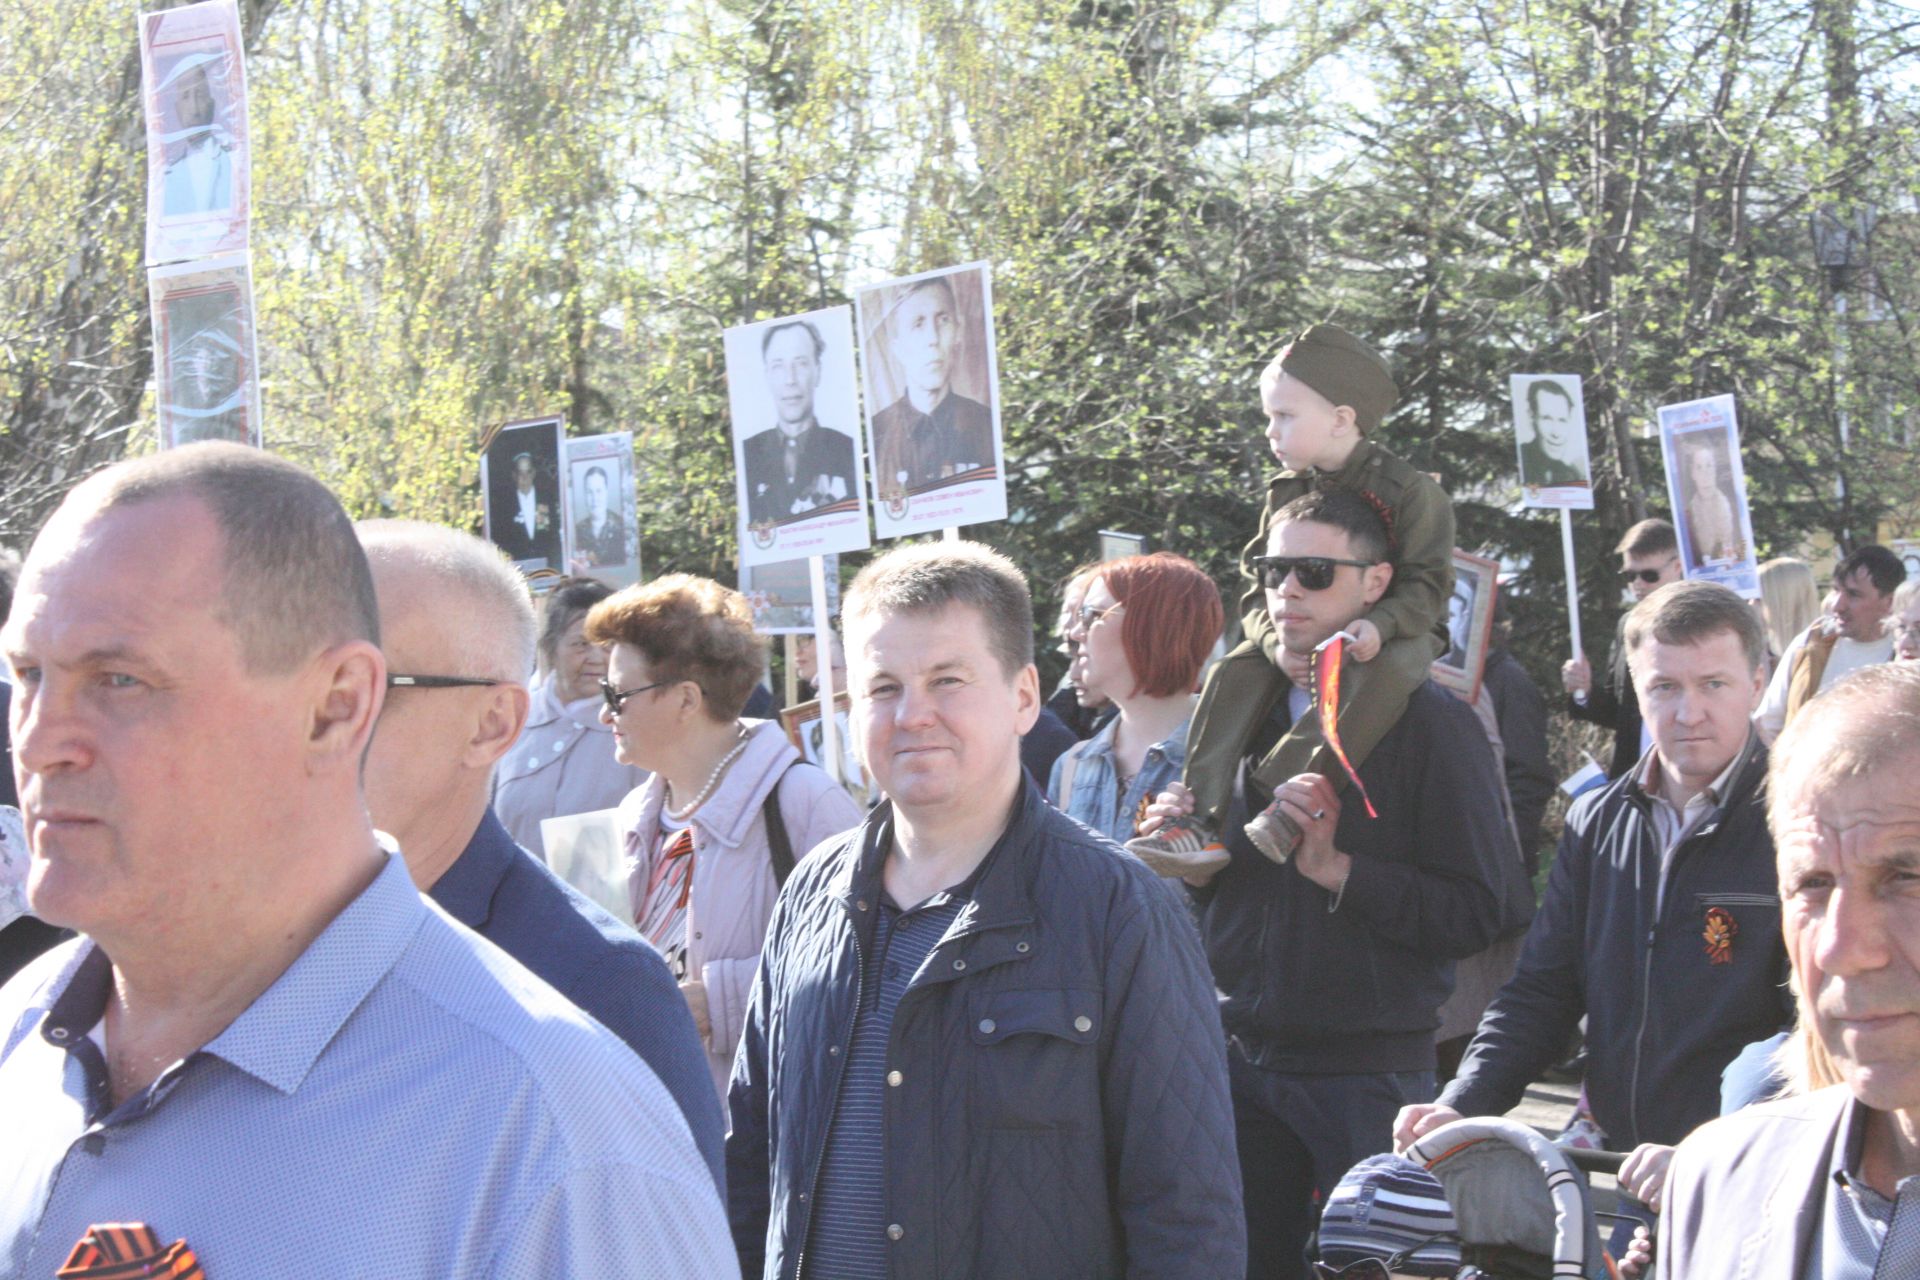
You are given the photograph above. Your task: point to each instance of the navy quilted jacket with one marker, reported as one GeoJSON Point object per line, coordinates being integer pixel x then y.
{"type": "Point", "coordinates": [1071, 1116]}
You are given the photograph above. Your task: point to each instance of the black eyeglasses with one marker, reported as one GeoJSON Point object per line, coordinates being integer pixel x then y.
{"type": "Point", "coordinates": [616, 698]}
{"type": "Point", "coordinates": [1380, 1268]}
{"type": "Point", "coordinates": [436, 682]}
{"type": "Point", "coordinates": [1315, 573]}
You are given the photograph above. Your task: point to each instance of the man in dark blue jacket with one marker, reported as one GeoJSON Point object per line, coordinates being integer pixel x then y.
{"type": "Point", "coordinates": [1333, 966]}
{"type": "Point", "coordinates": [982, 1043]}
{"type": "Point", "coordinates": [458, 632]}
{"type": "Point", "coordinates": [1661, 924]}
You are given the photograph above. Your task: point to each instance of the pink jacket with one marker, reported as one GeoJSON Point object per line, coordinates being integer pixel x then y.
{"type": "Point", "coordinates": [733, 885]}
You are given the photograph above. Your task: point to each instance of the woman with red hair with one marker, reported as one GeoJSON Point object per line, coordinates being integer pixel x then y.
{"type": "Point", "coordinates": [1145, 629]}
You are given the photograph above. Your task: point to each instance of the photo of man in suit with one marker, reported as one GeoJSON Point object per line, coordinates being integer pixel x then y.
{"type": "Point", "coordinates": [199, 172]}
{"type": "Point", "coordinates": [932, 431]}
{"type": "Point", "coordinates": [523, 497]}
{"type": "Point", "coordinates": [1557, 453]}
{"type": "Point", "coordinates": [599, 536]}
{"type": "Point", "coordinates": [796, 465]}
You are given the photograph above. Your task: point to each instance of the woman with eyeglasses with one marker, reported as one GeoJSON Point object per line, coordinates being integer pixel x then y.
{"type": "Point", "coordinates": [730, 806]}
{"type": "Point", "coordinates": [1903, 621]}
{"type": "Point", "coordinates": [1141, 636]}
{"type": "Point", "coordinates": [563, 762]}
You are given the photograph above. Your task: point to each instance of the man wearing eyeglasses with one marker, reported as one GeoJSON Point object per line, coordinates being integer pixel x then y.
{"type": "Point", "coordinates": [458, 632]}
{"type": "Point", "coordinates": [1332, 967]}
{"type": "Point", "coordinates": [1855, 637]}
{"type": "Point", "coordinates": [1649, 559]}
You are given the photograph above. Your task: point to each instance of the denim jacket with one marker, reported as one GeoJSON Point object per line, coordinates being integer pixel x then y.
{"type": "Point", "coordinates": [1097, 800]}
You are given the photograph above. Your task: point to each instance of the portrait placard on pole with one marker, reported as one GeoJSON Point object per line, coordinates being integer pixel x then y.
{"type": "Point", "coordinates": [603, 538]}
{"type": "Point", "coordinates": [524, 494]}
{"type": "Point", "coordinates": [205, 361]}
{"type": "Point", "coordinates": [1115, 545]}
{"type": "Point", "coordinates": [1700, 441]}
{"type": "Point", "coordinates": [796, 415]}
{"type": "Point", "coordinates": [782, 595]}
{"type": "Point", "coordinates": [1550, 430]}
{"type": "Point", "coordinates": [198, 160]}
{"type": "Point", "coordinates": [933, 401]}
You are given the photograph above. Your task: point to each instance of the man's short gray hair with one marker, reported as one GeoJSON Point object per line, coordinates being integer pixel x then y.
{"type": "Point", "coordinates": [929, 576]}
{"type": "Point", "coordinates": [294, 579]}
{"type": "Point", "coordinates": [1860, 724]}
{"type": "Point", "coordinates": [494, 629]}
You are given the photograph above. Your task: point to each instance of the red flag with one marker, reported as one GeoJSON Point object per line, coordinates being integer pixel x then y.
{"type": "Point", "coordinates": [1326, 694]}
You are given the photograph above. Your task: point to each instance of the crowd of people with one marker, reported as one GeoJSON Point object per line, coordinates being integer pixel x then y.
{"type": "Point", "coordinates": [1152, 974]}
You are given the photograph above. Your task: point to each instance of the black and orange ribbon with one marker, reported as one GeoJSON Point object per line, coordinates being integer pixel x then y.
{"type": "Point", "coordinates": [112, 1250]}
{"type": "Point", "coordinates": [1326, 693]}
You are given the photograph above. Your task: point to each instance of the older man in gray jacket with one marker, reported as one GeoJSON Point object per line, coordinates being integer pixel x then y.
{"type": "Point", "coordinates": [1824, 1184]}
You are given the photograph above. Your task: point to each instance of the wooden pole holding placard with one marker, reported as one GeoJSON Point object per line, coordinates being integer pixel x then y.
{"type": "Point", "coordinates": [1573, 581]}
{"type": "Point", "coordinates": [951, 533]}
{"type": "Point", "coordinates": [823, 669]}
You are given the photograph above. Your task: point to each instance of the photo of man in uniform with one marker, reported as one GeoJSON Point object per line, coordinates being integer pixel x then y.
{"type": "Point", "coordinates": [599, 536]}
{"type": "Point", "coordinates": [796, 465]}
{"type": "Point", "coordinates": [199, 171]}
{"type": "Point", "coordinates": [932, 431]}
{"type": "Point", "coordinates": [1557, 453]}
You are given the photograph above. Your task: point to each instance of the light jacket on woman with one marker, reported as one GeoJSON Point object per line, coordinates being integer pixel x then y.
{"type": "Point", "coordinates": [733, 884]}
{"type": "Point", "coordinates": [561, 764]}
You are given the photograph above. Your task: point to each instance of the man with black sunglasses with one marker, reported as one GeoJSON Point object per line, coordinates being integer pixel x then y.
{"type": "Point", "coordinates": [458, 632]}
{"type": "Point", "coordinates": [1649, 559]}
{"type": "Point", "coordinates": [1332, 967]}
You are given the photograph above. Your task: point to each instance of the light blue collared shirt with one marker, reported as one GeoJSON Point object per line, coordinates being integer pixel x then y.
{"type": "Point", "coordinates": [404, 1101]}
{"type": "Point", "coordinates": [1098, 799]}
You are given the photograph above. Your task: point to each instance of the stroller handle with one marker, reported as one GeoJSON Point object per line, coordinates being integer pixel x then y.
{"type": "Point", "coordinates": [1591, 1161]}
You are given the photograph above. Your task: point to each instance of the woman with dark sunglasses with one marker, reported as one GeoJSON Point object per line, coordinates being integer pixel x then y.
{"type": "Point", "coordinates": [730, 805]}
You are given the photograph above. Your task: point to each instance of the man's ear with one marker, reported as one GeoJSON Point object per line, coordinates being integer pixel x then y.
{"type": "Point", "coordinates": [1026, 685]}
{"type": "Point", "coordinates": [503, 714]}
{"type": "Point", "coordinates": [1345, 420]}
{"type": "Point", "coordinates": [349, 683]}
{"type": "Point", "coordinates": [1375, 578]}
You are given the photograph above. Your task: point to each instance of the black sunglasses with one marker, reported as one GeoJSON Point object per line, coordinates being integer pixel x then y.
{"type": "Point", "coordinates": [1648, 576]}
{"type": "Point", "coordinates": [1315, 573]}
{"type": "Point", "coordinates": [616, 698]}
{"type": "Point", "coordinates": [436, 682]}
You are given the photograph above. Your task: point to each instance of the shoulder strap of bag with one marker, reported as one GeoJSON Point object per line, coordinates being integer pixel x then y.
{"type": "Point", "coordinates": [779, 844]}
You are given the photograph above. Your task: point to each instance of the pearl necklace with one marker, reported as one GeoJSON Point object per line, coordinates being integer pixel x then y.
{"type": "Point", "coordinates": [713, 779]}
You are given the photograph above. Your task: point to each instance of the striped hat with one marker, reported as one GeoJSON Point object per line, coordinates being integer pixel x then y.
{"type": "Point", "coordinates": [1386, 1205]}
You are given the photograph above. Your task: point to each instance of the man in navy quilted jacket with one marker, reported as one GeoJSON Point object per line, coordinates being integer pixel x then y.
{"type": "Point", "coordinates": [983, 1041]}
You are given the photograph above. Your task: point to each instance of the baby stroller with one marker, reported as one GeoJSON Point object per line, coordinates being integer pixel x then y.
{"type": "Point", "coordinates": [1483, 1198]}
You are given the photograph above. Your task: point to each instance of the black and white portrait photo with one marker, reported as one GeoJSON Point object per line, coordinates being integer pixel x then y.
{"type": "Point", "coordinates": [790, 384]}
{"type": "Point", "coordinates": [605, 537]}
{"type": "Point", "coordinates": [1469, 623]}
{"type": "Point", "coordinates": [206, 373]}
{"type": "Point", "coordinates": [525, 501]}
{"type": "Point", "coordinates": [1550, 425]}
{"type": "Point", "coordinates": [932, 400]}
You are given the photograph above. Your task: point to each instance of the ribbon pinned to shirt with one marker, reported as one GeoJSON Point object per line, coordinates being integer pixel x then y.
{"type": "Point", "coordinates": [1326, 695]}
{"type": "Point", "coordinates": [111, 1250]}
